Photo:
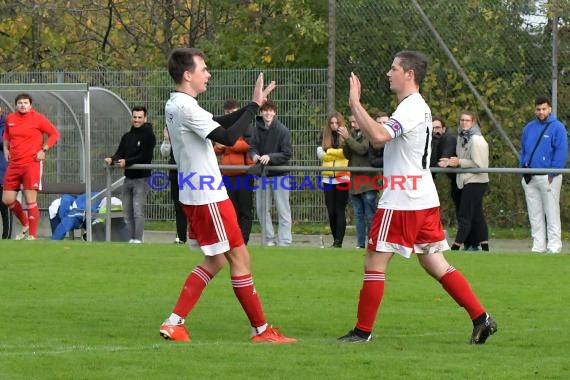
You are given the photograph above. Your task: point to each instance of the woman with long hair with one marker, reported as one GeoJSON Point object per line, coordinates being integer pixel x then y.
{"type": "Point", "coordinates": [335, 182]}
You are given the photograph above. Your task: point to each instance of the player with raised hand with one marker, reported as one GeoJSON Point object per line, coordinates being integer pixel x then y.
{"type": "Point", "coordinates": [407, 220]}
{"type": "Point", "coordinates": [209, 210]}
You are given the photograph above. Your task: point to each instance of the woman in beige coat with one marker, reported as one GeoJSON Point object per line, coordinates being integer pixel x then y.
{"type": "Point", "coordinates": [472, 152]}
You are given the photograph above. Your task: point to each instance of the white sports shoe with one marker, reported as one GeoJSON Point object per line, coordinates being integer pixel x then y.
{"type": "Point", "coordinates": [24, 234]}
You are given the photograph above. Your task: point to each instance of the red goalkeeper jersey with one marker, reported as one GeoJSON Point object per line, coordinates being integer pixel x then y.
{"type": "Point", "coordinates": [25, 135]}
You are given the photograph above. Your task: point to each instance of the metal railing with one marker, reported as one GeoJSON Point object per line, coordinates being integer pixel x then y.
{"type": "Point", "coordinates": [111, 187]}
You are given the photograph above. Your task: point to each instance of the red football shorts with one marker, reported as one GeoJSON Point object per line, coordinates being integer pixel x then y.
{"type": "Point", "coordinates": [215, 226]}
{"type": "Point", "coordinates": [27, 176]}
{"type": "Point", "coordinates": [404, 232]}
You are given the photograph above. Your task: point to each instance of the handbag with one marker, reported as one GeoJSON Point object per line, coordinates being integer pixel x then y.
{"type": "Point", "coordinates": [528, 177]}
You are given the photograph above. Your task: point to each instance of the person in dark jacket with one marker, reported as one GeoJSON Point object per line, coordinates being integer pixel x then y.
{"type": "Point", "coordinates": [271, 146]}
{"type": "Point", "coordinates": [136, 147]}
{"type": "Point", "coordinates": [376, 155]}
{"type": "Point", "coordinates": [544, 145]}
{"type": "Point", "coordinates": [443, 145]}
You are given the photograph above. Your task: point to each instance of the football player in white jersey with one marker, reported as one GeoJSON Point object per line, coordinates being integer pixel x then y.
{"type": "Point", "coordinates": [204, 199]}
{"type": "Point", "coordinates": [407, 219]}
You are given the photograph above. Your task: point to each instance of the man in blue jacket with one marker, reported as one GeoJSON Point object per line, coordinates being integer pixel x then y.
{"type": "Point", "coordinates": [544, 145]}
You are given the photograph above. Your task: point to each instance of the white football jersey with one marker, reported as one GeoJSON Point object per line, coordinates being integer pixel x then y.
{"type": "Point", "coordinates": [409, 184]}
{"type": "Point", "coordinates": [188, 124]}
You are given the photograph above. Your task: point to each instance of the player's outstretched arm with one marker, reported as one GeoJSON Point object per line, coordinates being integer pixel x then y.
{"type": "Point", "coordinates": [230, 135]}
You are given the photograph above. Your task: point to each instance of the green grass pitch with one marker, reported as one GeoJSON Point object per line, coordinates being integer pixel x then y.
{"type": "Point", "coordinates": [71, 310]}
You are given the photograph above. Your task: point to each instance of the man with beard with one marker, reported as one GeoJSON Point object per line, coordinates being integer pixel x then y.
{"type": "Point", "coordinates": [443, 146]}
{"type": "Point", "coordinates": [544, 145]}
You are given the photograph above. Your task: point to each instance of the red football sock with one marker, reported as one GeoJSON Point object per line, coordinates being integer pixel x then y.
{"type": "Point", "coordinates": [370, 298]}
{"type": "Point", "coordinates": [191, 291]}
{"type": "Point", "coordinates": [33, 218]}
{"type": "Point", "coordinates": [19, 212]}
{"type": "Point", "coordinates": [247, 296]}
{"type": "Point", "coordinates": [458, 288]}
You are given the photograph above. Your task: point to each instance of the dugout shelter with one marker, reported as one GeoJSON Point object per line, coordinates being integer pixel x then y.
{"type": "Point", "coordinates": [91, 121]}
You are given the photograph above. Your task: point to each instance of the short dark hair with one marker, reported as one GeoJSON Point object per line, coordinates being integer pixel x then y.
{"type": "Point", "coordinates": [181, 60]}
{"type": "Point", "coordinates": [231, 104]}
{"type": "Point", "coordinates": [415, 61]}
{"type": "Point", "coordinates": [268, 105]}
{"type": "Point", "coordinates": [138, 109]}
{"type": "Point", "coordinates": [23, 96]}
{"type": "Point", "coordinates": [541, 100]}
{"type": "Point", "coordinates": [437, 118]}
{"type": "Point", "coordinates": [469, 113]}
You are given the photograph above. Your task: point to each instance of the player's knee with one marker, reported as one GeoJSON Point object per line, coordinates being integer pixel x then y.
{"type": "Point", "coordinates": [8, 200]}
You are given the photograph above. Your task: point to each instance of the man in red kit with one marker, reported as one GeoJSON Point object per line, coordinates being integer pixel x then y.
{"type": "Point", "coordinates": [25, 150]}
{"type": "Point", "coordinates": [407, 220]}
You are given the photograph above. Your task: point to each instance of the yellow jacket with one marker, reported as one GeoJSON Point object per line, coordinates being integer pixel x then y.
{"type": "Point", "coordinates": [334, 157]}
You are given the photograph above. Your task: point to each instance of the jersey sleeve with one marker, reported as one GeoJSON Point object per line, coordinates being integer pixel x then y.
{"type": "Point", "coordinates": [200, 121]}
{"type": "Point", "coordinates": [48, 128]}
{"type": "Point", "coordinates": [405, 119]}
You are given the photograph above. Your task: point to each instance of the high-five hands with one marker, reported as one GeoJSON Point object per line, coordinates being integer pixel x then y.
{"type": "Point", "coordinates": [259, 94]}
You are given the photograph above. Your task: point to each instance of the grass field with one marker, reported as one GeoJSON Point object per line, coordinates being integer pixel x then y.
{"type": "Point", "coordinates": [71, 310]}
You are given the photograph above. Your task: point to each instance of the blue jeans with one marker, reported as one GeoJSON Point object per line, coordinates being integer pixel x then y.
{"type": "Point", "coordinates": [364, 206]}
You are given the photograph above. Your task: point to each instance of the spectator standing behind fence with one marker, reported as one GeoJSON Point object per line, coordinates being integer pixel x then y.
{"type": "Point", "coordinates": [362, 193]}
{"type": "Point", "coordinates": [25, 151]}
{"type": "Point", "coordinates": [334, 181]}
{"type": "Point", "coordinates": [472, 152]}
{"type": "Point", "coordinates": [271, 146]}
{"type": "Point", "coordinates": [407, 220]}
{"type": "Point", "coordinates": [181, 221]}
{"type": "Point", "coordinates": [239, 186]}
{"type": "Point", "coordinates": [544, 145]}
{"type": "Point", "coordinates": [443, 145]}
{"type": "Point", "coordinates": [136, 147]}
{"type": "Point", "coordinates": [6, 214]}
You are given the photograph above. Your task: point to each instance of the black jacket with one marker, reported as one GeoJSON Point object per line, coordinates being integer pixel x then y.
{"type": "Point", "coordinates": [443, 147]}
{"type": "Point", "coordinates": [376, 157]}
{"type": "Point", "coordinates": [136, 147]}
{"type": "Point", "coordinates": [274, 141]}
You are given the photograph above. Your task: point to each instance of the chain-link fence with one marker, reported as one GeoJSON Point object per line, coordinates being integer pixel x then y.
{"type": "Point", "coordinates": [300, 97]}
{"type": "Point", "coordinates": [491, 57]}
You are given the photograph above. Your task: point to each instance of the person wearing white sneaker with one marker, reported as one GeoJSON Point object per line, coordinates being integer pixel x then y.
{"type": "Point", "coordinates": [136, 147]}
{"type": "Point", "coordinates": [544, 144]}
{"type": "Point", "coordinates": [25, 151]}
